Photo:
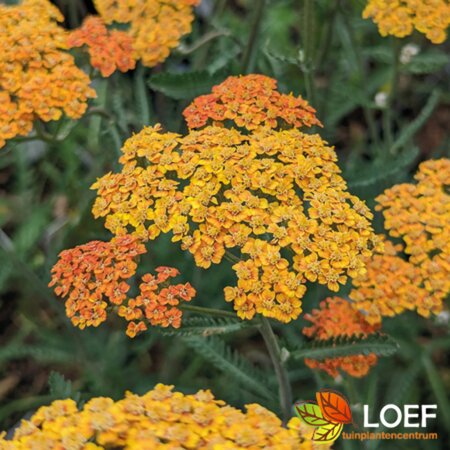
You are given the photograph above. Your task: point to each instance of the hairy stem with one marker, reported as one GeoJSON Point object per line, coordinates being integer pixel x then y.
{"type": "Point", "coordinates": [284, 385]}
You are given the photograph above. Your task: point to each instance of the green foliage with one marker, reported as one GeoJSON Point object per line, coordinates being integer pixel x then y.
{"type": "Point", "coordinates": [61, 388]}
{"type": "Point", "coordinates": [379, 344]}
{"type": "Point", "coordinates": [431, 61]}
{"type": "Point", "coordinates": [181, 86]}
{"type": "Point", "coordinates": [205, 326]}
{"type": "Point", "coordinates": [374, 178]}
{"type": "Point", "coordinates": [411, 129]}
{"type": "Point", "coordinates": [215, 351]}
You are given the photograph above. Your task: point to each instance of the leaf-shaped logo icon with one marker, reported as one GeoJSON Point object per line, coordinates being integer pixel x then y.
{"type": "Point", "coordinates": [328, 433]}
{"type": "Point", "coordinates": [311, 414]}
{"type": "Point", "coordinates": [334, 406]}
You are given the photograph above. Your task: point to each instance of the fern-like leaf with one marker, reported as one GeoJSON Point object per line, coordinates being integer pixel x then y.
{"type": "Point", "coordinates": [221, 356]}
{"type": "Point", "coordinates": [60, 388]}
{"type": "Point", "coordinates": [380, 344]}
{"type": "Point", "coordinates": [181, 86]}
{"type": "Point", "coordinates": [205, 326]}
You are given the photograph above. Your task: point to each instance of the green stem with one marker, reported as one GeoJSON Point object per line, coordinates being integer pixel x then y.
{"type": "Point", "coordinates": [284, 385]}
{"type": "Point", "coordinates": [368, 113]}
{"type": "Point", "coordinates": [328, 34]}
{"type": "Point", "coordinates": [207, 311]}
{"type": "Point", "coordinates": [390, 103]}
{"type": "Point", "coordinates": [308, 35]}
{"type": "Point", "coordinates": [251, 48]}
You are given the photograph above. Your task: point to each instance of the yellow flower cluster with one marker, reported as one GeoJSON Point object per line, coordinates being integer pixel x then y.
{"type": "Point", "coordinates": [275, 196]}
{"type": "Point", "coordinates": [156, 26]}
{"type": "Point", "coordinates": [38, 79]}
{"type": "Point", "coordinates": [401, 17]}
{"type": "Point", "coordinates": [160, 419]}
{"type": "Point", "coordinates": [420, 215]}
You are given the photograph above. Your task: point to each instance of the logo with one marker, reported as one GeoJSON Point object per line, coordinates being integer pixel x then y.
{"type": "Point", "coordinates": [331, 411]}
{"type": "Point", "coordinates": [328, 415]}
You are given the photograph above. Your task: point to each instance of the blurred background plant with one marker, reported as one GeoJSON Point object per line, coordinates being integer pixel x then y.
{"type": "Point", "coordinates": [385, 106]}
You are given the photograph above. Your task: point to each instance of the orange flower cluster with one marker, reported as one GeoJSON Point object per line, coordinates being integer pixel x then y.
{"type": "Point", "coordinates": [93, 277]}
{"type": "Point", "coordinates": [38, 79]}
{"type": "Point", "coordinates": [160, 419]}
{"type": "Point", "coordinates": [275, 196]}
{"type": "Point", "coordinates": [400, 17]}
{"type": "Point", "coordinates": [108, 50]}
{"type": "Point", "coordinates": [420, 215]}
{"type": "Point", "coordinates": [250, 102]}
{"type": "Point", "coordinates": [335, 318]}
{"type": "Point", "coordinates": [155, 26]}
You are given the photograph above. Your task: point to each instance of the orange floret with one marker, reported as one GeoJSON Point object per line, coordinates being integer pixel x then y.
{"type": "Point", "coordinates": [250, 101]}
{"type": "Point", "coordinates": [337, 318]}
{"type": "Point", "coordinates": [109, 50]}
{"type": "Point", "coordinates": [94, 277]}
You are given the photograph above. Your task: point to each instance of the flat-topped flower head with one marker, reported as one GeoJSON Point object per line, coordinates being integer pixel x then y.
{"type": "Point", "coordinates": [38, 78]}
{"type": "Point", "coordinates": [94, 280]}
{"type": "Point", "coordinates": [160, 419]}
{"type": "Point", "coordinates": [251, 102]}
{"type": "Point", "coordinates": [272, 201]}
{"type": "Point", "coordinates": [400, 17]}
{"type": "Point", "coordinates": [336, 318]}
{"type": "Point", "coordinates": [155, 26]}
{"type": "Point", "coordinates": [420, 278]}
{"type": "Point", "coordinates": [109, 50]}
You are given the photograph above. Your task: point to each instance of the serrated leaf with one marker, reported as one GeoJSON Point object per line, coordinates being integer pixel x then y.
{"type": "Point", "coordinates": [328, 433]}
{"type": "Point", "coordinates": [311, 414]}
{"type": "Point", "coordinates": [205, 326]}
{"type": "Point", "coordinates": [181, 86]}
{"type": "Point", "coordinates": [379, 344]}
{"type": "Point", "coordinates": [220, 355]}
{"type": "Point", "coordinates": [60, 388]}
{"type": "Point", "coordinates": [334, 406]}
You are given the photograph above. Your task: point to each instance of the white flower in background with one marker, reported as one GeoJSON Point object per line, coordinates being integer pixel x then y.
{"type": "Point", "coordinates": [381, 99]}
{"type": "Point", "coordinates": [408, 52]}
{"type": "Point", "coordinates": [443, 318]}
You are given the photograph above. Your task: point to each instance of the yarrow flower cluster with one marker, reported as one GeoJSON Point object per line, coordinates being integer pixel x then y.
{"type": "Point", "coordinates": [336, 317]}
{"type": "Point", "coordinates": [155, 26]}
{"type": "Point", "coordinates": [159, 419]}
{"type": "Point", "coordinates": [400, 17]}
{"type": "Point", "coordinates": [250, 102]}
{"type": "Point", "coordinates": [94, 277]}
{"type": "Point", "coordinates": [38, 78]}
{"type": "Point", "coordinates": [109, 50]}
{"type": "Point", "coordinates": [274, 196]}
{"type": "Point", "coordinates": [416, 275]}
